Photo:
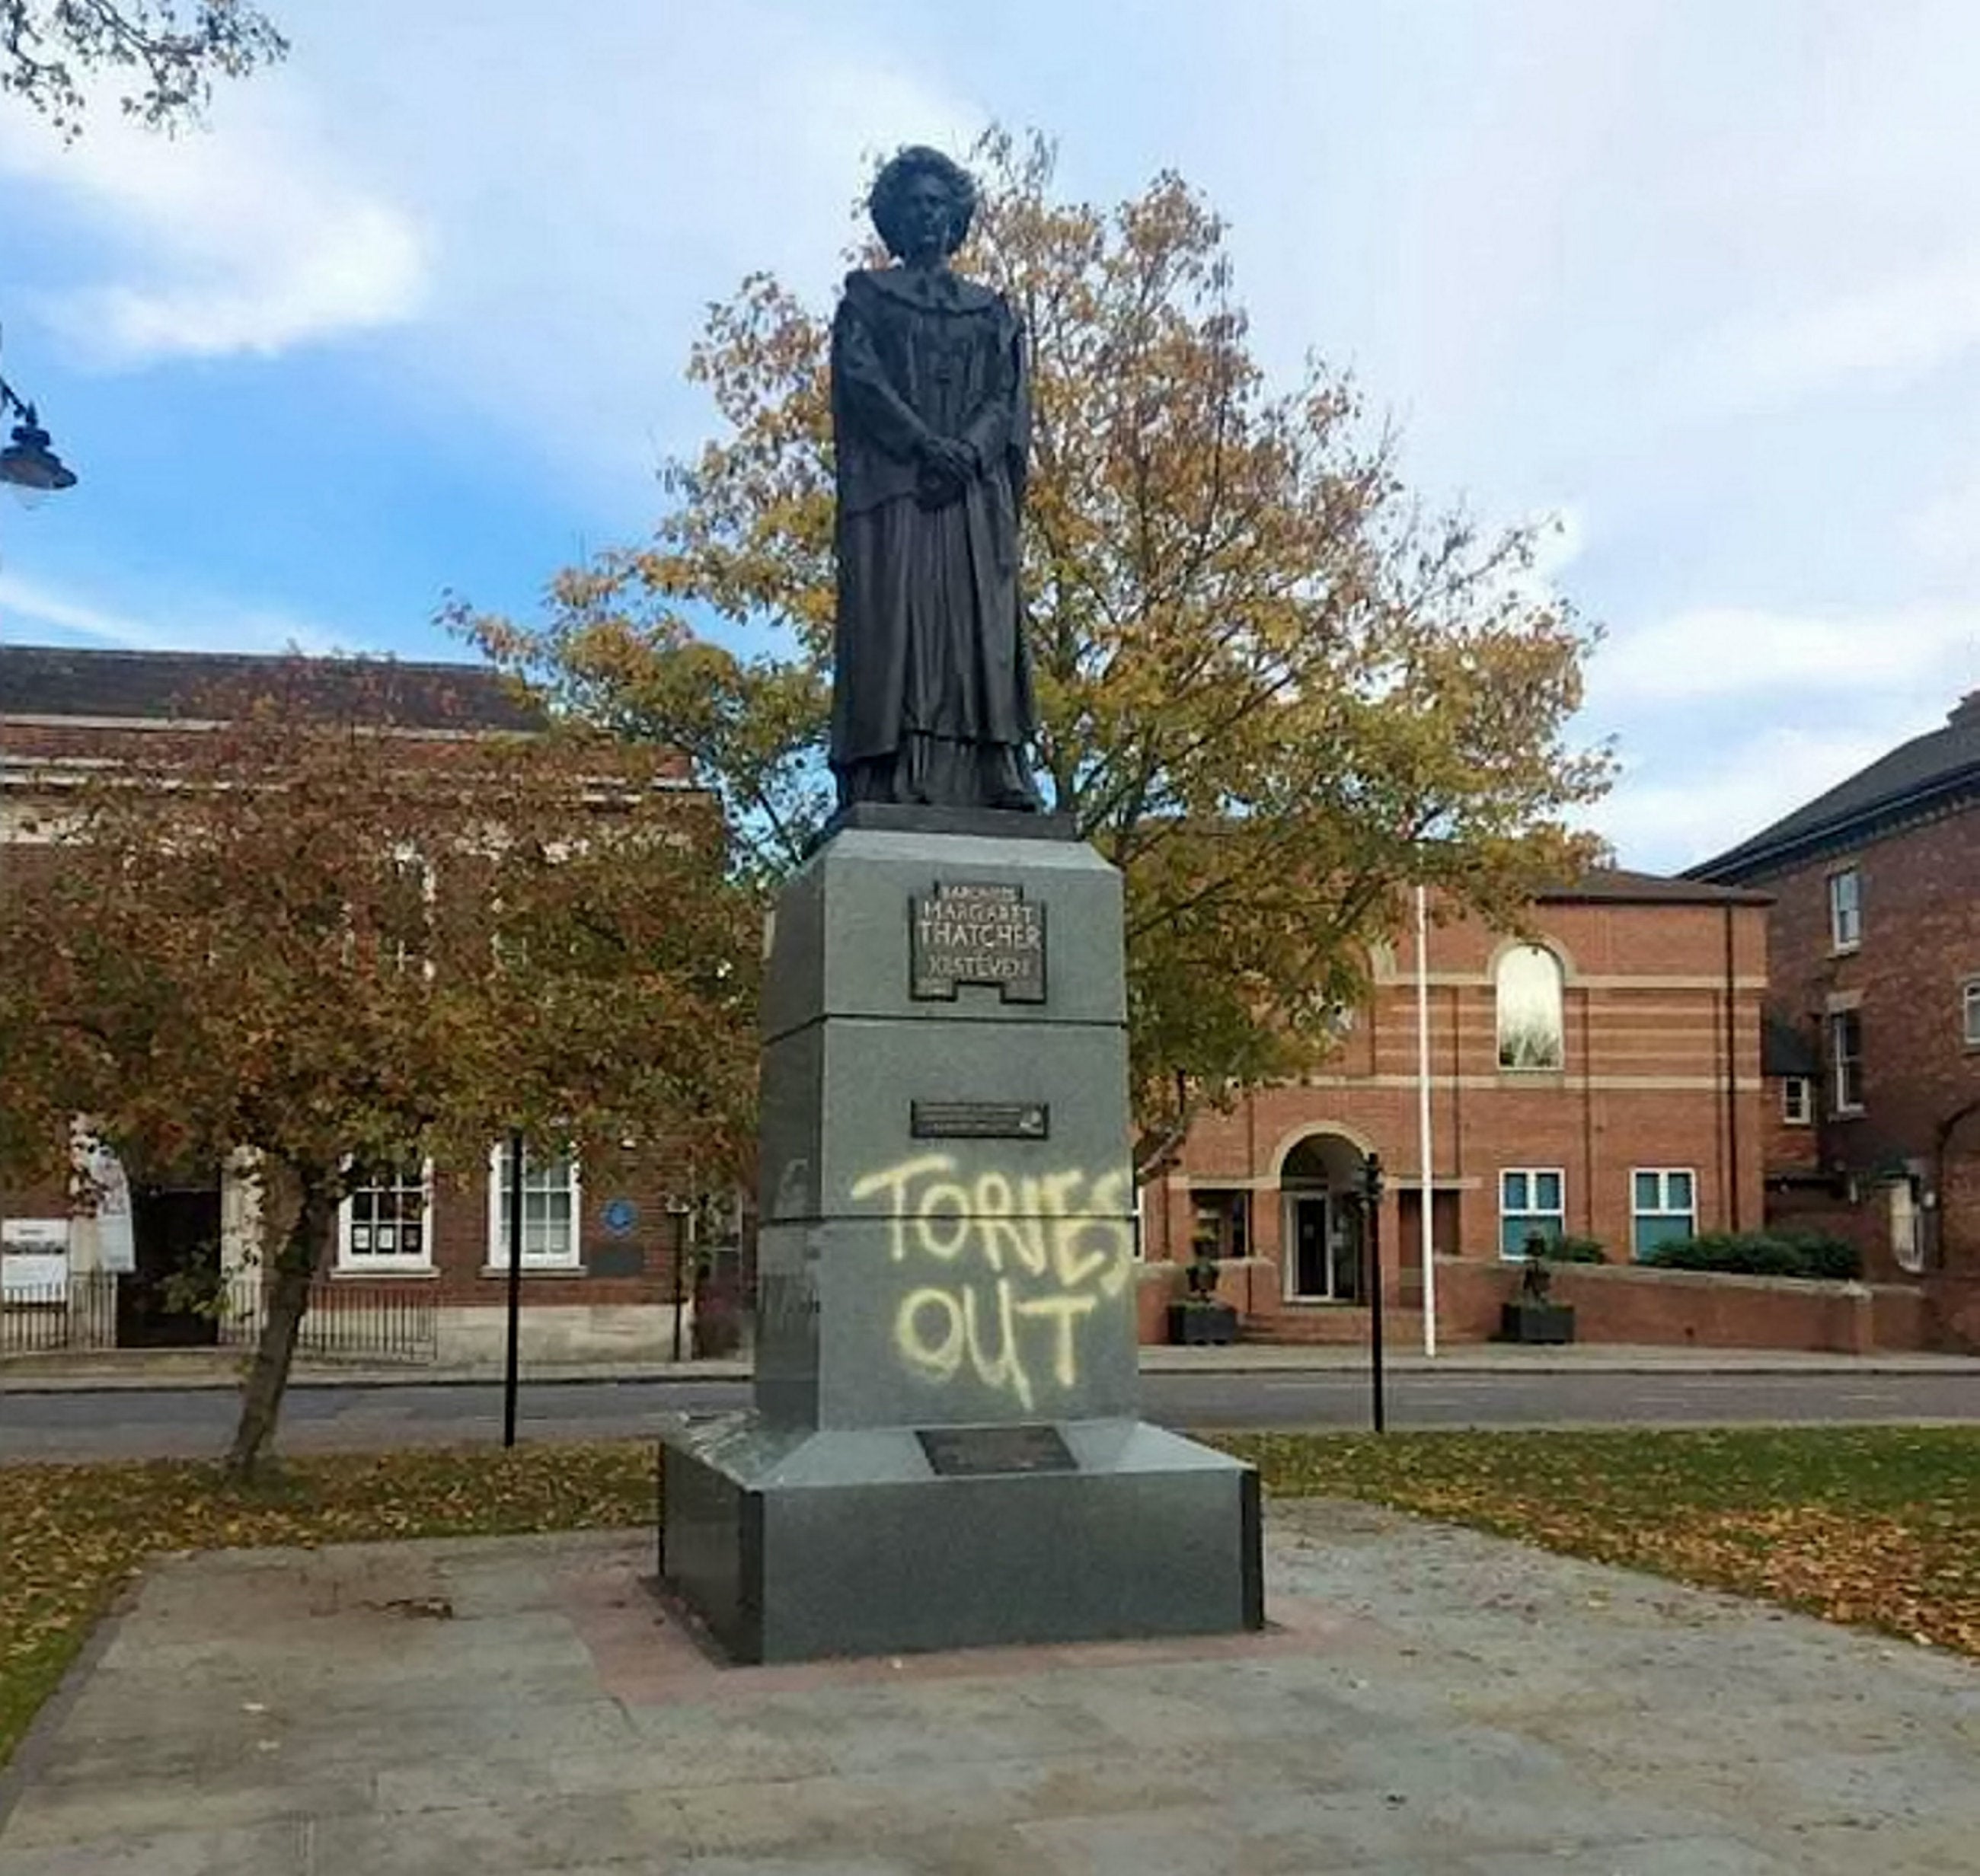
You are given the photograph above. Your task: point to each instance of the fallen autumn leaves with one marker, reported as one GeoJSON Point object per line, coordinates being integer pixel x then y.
{"type": "Point", "coordinates": [1877, 1525]}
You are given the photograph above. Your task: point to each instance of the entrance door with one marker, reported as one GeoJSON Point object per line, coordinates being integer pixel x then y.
{"type": "Point", "coordinates": [1312, 1266]}
{"type": "Point", "coordinates": [1323, 1237]}
{"type": "Point", "coordinates": [175, 1238]}
{"type": "Point", "coordinates": [1344, 1251]}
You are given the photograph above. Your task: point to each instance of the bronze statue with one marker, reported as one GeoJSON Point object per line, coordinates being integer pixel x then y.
{"type": "Point", "coordinates": [931, 697]}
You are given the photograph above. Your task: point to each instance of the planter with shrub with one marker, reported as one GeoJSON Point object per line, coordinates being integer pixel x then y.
{"type": "Point", "coordinates": [1532, 1317]}
{"type": "Point", "coordinates": [1199, 1319]}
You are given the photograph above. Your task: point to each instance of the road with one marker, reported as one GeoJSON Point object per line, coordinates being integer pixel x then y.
{"type": "Point", "coordinates": [169, 1422]}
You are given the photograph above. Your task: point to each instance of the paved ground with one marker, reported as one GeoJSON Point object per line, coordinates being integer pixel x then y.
{"type": "Point", "coordinates": [1433, 1701]}
{"type": "Point", "coordinates": [123, 1422]}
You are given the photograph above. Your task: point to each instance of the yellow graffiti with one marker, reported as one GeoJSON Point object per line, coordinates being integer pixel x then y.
{"type": "Point", "coordinates": [1032, 1257]}
{"type": "Point", "coordinates": [1039, 1220]}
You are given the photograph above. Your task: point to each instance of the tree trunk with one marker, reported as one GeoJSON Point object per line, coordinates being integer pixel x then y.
{"type": "Point", "coordinates": [295, 1266]}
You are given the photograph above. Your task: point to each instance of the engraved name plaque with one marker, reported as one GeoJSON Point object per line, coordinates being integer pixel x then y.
{"type": "Point", "coordinates": [980, 1119]}
{"type": "Point", "coordinates": [975, 1452]}
{"type": "Point", "coordinates": [976, 934]}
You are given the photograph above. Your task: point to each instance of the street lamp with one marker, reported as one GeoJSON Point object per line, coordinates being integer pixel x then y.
{"type": "Point", "coordinates": [28, 466]}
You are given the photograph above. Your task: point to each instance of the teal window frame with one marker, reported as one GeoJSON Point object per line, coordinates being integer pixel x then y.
{"type": "Point", "coordinates": [1656, 1215]}
{"type": "Point", "coordinates": [1525, 1206]}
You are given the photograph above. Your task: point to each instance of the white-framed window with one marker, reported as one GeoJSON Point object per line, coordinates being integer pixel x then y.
{"type": "Point", "coordinates": [1528, 988]}
{"type": "Point", "coordinates": [1969, 1011]}
{"type": "Point", "coordinates": [551, 1210]}
{"type": "Point", "coordinates": [1531, 1199]}
{"type": "Point", "coordinates": [1797, 1100]}
{"type": "Point", "coordinates": [1845, 909]}
{"type": "Point", "coordinates": [1845, 1057]}
{"type": "Point", "coordinates": [386, 1221]}
{"type": "Point", "coordinates": [1663, 1205]}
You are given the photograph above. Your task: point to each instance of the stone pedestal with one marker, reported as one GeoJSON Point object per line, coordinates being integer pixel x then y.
{"type": "Point", "coordinates": [943, 1450]}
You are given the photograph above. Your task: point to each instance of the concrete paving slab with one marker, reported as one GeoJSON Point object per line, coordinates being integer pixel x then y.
{"type": "Point", "coordinates": [1429, 1699]}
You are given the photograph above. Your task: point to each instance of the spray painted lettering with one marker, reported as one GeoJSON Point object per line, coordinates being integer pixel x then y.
{"type": "Point", "coordinates": [1031, 1260]}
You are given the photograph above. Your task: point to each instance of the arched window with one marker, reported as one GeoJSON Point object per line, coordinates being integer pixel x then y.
{"type": "Point", "coordinates": [1529, 987]}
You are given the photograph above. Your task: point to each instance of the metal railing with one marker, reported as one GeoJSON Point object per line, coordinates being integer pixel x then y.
{"type": "Point", "coordinates": [347, 1320]}
{"type": "Point", "coordinates": [353, 1321]}
{"type": "Point", "coordinates": [77, 1314]}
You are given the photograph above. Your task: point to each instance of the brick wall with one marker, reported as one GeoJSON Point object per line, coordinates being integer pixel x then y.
{"type": "Point", "coordinates": [1619, 1305]}
{"type": "Point", "coordinates": [1920, 942]}
{"type": "Point", "coordinates": [617, 1271]}
{"type": "Point", "coordinates": [1644, 1085]}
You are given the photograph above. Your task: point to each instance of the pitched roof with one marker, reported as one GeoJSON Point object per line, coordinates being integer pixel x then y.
{"type": "Point", "coordinates": [1938, 769]}
{"type": "Point", "coordinates": [62, 681]}
{"type": "Point", "coordinates": [1615, 885]}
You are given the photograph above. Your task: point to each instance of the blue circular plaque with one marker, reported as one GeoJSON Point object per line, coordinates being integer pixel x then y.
{"type": "Point", "coordinates": [620, 1215]}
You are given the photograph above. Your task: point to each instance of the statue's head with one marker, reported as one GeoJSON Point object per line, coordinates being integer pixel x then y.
{"type": "Point", "coordinates": [923, 203]}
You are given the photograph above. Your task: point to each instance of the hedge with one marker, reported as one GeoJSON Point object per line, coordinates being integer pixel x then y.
{"type": "Point", "coordinates": [1806, 1255]}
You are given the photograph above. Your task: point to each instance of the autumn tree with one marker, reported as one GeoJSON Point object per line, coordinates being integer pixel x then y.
{"type": "Point", "coordinates": [301, 935]}
{"type": "Point", "coordinates": [1272, 691]}
{"type": "Point", "coordinates": [163, 54]}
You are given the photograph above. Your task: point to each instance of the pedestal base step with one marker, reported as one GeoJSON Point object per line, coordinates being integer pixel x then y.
{"type": "Point", "coordinates": [792, 1545]}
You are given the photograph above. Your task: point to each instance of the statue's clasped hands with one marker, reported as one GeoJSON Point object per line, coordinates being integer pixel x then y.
{"type": "Point", "coordinates": [947, 464]}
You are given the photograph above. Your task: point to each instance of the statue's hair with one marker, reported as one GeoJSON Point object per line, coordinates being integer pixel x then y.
{"type": "Point", "coordinates": [891, 185]}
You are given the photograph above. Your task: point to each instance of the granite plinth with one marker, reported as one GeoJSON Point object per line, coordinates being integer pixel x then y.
{"type": "Point", "coordinates": [792, 1545]}
{"type": "Point", "coordinates": [946, 1266]}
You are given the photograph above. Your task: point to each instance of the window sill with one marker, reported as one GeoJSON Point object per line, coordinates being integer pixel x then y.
{"type": "Point", "coordinates": [1849, 1113]}
{"type": "Point", "coordinates": [1845, 950]}
{"type": "Point", "coordinates": [535, 1269]}
{"type": "Point", "coordinates": [396, 1273]}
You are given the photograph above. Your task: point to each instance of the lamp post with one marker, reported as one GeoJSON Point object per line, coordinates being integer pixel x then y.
{"type": "Point", "coordinates": [512, 1353]}
{"type": "Point", "coordinates": [28, 464]}
{"type": "Point", "coordinates": [1371, 1233]}
{"type": "Point", "coordinates": [681, 1212]}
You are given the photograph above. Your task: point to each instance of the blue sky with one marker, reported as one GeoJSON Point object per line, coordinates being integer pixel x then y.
{"type": "Point", "coordinates": [410, 313]}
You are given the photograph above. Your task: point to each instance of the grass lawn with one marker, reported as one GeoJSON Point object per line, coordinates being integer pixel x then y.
{"type": "Point", "coordinates": [1878, 1526]}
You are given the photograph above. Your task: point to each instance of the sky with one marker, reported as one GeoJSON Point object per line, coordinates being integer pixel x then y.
{"type": "Point", "coordinates": [409, 316]}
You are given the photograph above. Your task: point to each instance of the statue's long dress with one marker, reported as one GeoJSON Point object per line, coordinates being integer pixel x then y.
{"type": "Point", "coordinates": [931, 696]}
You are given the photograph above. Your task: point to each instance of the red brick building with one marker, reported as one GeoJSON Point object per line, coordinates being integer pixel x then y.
{"type": "Point", "coordinates": [421, 1254]}
{"type": "Point", "coordinates": [1602, 1082]}
{"type": "Point", "coordinates": [1874, 937]}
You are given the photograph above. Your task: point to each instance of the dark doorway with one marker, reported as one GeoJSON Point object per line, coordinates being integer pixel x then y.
{"type": "Point", "coordinates": [167, 1301]}
{"type": "Point", "coordinates": [1312, 1274]}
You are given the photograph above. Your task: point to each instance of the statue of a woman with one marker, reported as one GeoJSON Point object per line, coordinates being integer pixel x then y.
{"type": "Point", "coordinates": [931, 696]}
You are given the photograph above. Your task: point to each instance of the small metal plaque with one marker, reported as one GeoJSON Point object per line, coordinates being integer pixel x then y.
{"type": "Point", "coordinates": [978, 1452]}
{"type": "Point", "coordinates": [616, 1260]}
{"type": "Point", "coordinates": [980, 1119]}
{"type": "Point", "coordinates": [976, 933]}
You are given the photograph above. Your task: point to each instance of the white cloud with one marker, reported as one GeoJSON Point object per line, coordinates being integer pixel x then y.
{"type": "Point", "coordinates": [1947, 529]}
{"type": "Point", "coordinates": [1730, 651]}
{"type": "Point", "coordinates": [252, 238]}
{"type": "Point", "coordinates": [1664, 823]}
{"type": "Point", "coordinates": [216, 626]}
{"type": "Point", "coordinates": [1900, 329]}
{"type": "Point", "coordinates": [589, 192]}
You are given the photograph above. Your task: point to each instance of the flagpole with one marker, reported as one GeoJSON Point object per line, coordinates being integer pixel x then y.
{"type": "Point", "coordinates": [1426, 1159]}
